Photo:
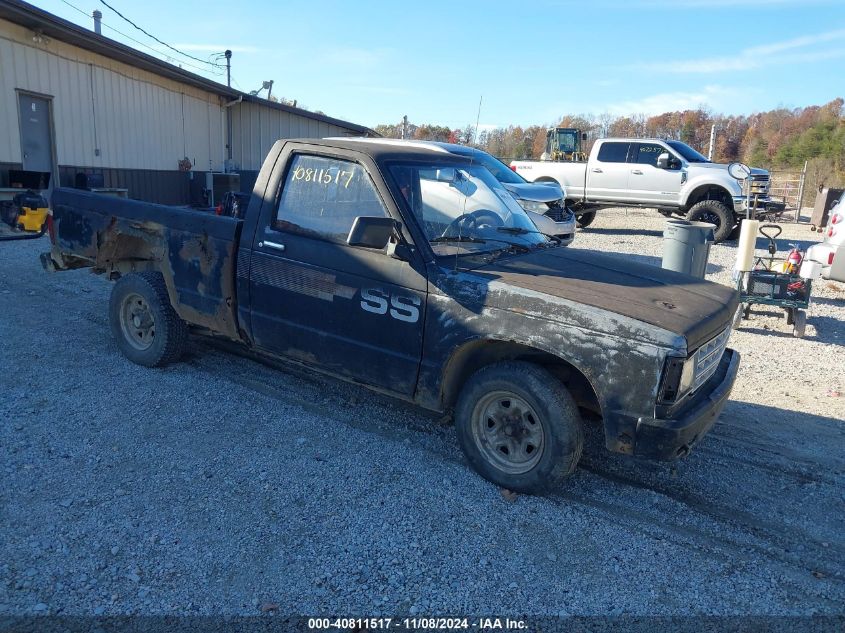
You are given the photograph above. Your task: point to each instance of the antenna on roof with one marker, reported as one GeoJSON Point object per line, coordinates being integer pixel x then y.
{"type": "Point", "coordinates": [477, 119]}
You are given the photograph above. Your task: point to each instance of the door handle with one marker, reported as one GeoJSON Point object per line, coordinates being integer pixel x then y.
{"type": "Point", "coordinates": [637, 171]}
{"type": "Point", "coordinates": [596, 170]}
{"type": "Point", "coordinates": [275, 245]}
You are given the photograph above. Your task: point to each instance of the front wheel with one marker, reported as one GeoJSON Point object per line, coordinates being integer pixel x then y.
{"type": "Point", "coordinates": [585, 219]}
{"type": "Point", "coordinates": [715, 213]}
{"type": "Point", "coordinates": [146, 327]}
{"type": "Point", "coordinates": [519, 427]}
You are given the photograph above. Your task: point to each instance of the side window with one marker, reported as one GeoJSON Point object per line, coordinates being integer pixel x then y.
{"type": "Point", "coordinates": [648, 153]}
{"type": "Point", "coordinates": [321, 198]}
{"type": "Point", "coordinates": [613, 152]}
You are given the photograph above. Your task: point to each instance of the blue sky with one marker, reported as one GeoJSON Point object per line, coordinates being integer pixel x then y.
{"type": "Point", "coordinates": [531, 61]}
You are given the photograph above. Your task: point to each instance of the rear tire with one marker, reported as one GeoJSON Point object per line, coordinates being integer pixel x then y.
{"type": "Point", "coordinates": [715, 213]}
{"type": "Point", "coordinates": [146, 327]}
{"type": "Point", "coordinates": [519, 427]}
{"type": "Point", "coordinates": [585, 219]}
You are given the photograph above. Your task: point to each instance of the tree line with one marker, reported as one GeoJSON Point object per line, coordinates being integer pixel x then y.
{"type": "Point", "coordinates": [780, 139]}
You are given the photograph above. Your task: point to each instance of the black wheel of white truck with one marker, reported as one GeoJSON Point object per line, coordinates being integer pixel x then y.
{"type": "Point", "coordinates": [715, 213]}
{"type": "Point", "coordinates": [519, 427]}
{"type": "Point", "coordinates": [585, 219]}
{"type": "Point", "coordinates": [147, 329]}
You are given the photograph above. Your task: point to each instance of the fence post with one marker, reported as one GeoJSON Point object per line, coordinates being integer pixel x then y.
{"type": "Point", "coordinates": [801, 192]}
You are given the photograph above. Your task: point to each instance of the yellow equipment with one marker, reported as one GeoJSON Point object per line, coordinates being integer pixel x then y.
{"type": "Point", "coordinates": [564, 143]}
{"type": "Point", "coordinates": [26, 212]}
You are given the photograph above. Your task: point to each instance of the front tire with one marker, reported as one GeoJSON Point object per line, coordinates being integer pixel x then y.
{"type": "Point", "coordinates": [585, 219]}
{"type": "Point", "coordinates": [146, 327]}
{"type": "Point", "coordinates": [519, 427]}
{"type": "Point", "coordinates": [715, 213]}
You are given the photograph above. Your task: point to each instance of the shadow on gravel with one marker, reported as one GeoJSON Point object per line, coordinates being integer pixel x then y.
{"type": "Point", "coordinates": [828, 330]}
{"type": "Point", "coordinates": [827, 301]}
{"type": "Point", "coordinates": [770, 472]}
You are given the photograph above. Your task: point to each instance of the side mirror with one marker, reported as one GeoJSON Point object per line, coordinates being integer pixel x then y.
{"type": "Point", "coordinates": [583, 136]}
{"type": "Point", "coordinates": [663, 161]}
{"type": "Point", "coordinates": [379, 233]}
{"type": "Point", "coordinates": [372, 232]}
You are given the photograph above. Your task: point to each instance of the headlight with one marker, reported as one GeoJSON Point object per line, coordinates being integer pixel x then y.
{"type": "Point", "coordinates": [530, 205]}
{"type": "Point", "coordinates": [678, 375]}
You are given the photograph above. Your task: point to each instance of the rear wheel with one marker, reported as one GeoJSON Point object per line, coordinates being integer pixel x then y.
{"type": "Point", "coordinates": [585, 219]}
{"type": "Point", "coordinates": [519, 427]}
{"type": "Point", "coordinates": [715, 213]}
{"type": "Point", "coordinates": [146, 327]}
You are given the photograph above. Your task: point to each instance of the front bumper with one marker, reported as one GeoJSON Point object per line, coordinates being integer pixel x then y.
{"type": "Point", "coordinates": [820, 253]}
{"type": "Point", "coordinates": [668, 439]}
{"type": "Point", "coordinates": [765, 206]}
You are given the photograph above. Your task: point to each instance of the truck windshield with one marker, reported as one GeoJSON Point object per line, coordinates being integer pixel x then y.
{"type": "Point", "coordinates": [464, 209]}
{"type": "Point", "coordinates": [687, 152]}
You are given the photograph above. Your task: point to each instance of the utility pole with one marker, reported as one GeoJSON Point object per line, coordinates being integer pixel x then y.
{"type": "Point", "coordinates": [228, 55]}
{"type": "Point", "coordinates": [405, 126]}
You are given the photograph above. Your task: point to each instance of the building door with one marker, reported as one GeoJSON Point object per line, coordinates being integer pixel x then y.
{"type": "Point", "coordinates": [36, 133]}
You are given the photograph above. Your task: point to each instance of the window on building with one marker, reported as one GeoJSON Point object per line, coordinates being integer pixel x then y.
{"type": "Point", "coordinates": [322, 197]}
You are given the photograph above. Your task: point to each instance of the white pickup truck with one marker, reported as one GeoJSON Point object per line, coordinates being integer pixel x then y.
{"type": "Point", "coordinates": [669, 176]}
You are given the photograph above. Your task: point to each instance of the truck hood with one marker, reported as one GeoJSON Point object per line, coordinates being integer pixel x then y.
{"type": "Point", "coordinates": [536, 191]}
{"type": "Point", "coordinates": [686, 306]}
{"type": "Point", "coordinates": [755, 171]}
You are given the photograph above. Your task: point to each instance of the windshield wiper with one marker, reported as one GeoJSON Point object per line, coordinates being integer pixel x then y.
{"type": "Point", "coordinates": [460, 238]}
{"type": "Point", "coordinates": [516, 230]}
{"type": "Point", "coordinates": [511, 246]}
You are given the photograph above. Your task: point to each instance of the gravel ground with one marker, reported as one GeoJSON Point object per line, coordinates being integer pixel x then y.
{"type": "Point", "coordinates": [222, 486]}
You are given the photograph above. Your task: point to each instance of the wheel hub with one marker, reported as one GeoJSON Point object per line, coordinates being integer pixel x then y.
{"type": "Point", "coordinates": [508, 432]}
{"type": "Point", "coordinates": [137, 322]}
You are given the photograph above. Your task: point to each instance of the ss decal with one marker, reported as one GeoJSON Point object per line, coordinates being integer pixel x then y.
{"type": "Point", "coordinates": [379, 301]}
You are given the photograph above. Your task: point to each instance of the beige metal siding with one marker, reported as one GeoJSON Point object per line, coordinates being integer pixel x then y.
{"type": "Point", "coordinates": [255, 128]}
{"type": "Point", "coordinates": [138, 120]}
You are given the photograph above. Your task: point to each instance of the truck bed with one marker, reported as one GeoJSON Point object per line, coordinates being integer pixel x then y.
{"type": "Point", "coordinates": [195, 251]}
{"type": "Point", "coordinates": [572, 176]}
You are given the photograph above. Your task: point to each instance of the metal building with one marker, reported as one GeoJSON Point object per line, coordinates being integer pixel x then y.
{"type": "Point", "coordinates": [75, 102]}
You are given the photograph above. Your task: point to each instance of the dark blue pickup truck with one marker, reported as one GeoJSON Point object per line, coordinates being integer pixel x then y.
{"type": "Point", "coordinates": [359, 259]}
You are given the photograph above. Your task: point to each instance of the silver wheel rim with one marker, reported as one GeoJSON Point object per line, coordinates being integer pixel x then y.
{"type": "Point", "coordinates": [137, 322]}
{"type": "Point", "coordinates": [508, 432]}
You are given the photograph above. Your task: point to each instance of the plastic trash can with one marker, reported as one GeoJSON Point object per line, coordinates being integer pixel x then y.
{"type": "Point", "coordinates": [686, 246]}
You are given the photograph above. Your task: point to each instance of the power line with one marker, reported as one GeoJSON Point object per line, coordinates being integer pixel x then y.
{"type": "Point", "coordinates": [218, 69]}
{"type": "Point", "coordinates": [148, 34]}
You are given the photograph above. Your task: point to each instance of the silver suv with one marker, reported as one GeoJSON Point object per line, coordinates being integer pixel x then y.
{"type": "Point", "coordinates": [544, 201]}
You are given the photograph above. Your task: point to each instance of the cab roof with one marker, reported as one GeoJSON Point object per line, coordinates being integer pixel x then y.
{"type": "Point", "coordinates": [381, 149]}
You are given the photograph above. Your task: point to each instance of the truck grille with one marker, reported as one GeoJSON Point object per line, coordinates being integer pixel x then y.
{"type": "Point", "coordinates": [759, 185]}
{"type": "Point", "coordinates": [707, 358]}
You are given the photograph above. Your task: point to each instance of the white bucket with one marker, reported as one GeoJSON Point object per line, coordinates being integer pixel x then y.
{"type": "Point", "coordinates": [810, 270]}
